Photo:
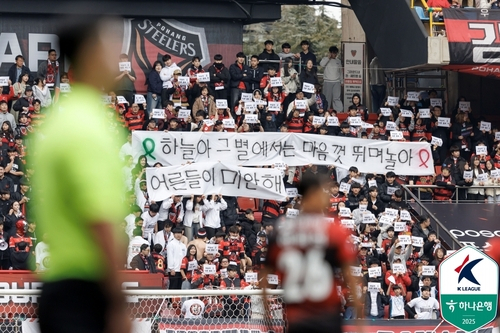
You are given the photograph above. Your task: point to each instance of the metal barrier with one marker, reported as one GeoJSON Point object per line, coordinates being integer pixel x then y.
{"type": "Point", "coordinates": [440, 228]}
{"type": "Point", "coordinates": [495, 198]}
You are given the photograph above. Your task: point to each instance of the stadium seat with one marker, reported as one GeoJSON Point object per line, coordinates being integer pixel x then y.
{"type": "Point", "coordinates": [421, 14]}
{"type": "Point", "coordinates": [258, 216]}
{"type": "Point", "coordinates": [248, 203]}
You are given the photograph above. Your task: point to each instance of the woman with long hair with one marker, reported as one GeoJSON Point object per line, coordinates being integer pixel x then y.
{"type": "Point", "coordinates": [154, 84]}
{"type": "Point", "coordinates": [194, 216]}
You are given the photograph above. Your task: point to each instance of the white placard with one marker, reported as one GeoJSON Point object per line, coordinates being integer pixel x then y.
{"type": "Point", "coordinates": [251, 118]}
{"type": "Point", "coordinates": [405, 215]}
{"type": "Point", "coordinates": [404, 239]}
{"type": "Point", "coordinates": [251, 277]}
{"type": "Point", "coordinates": [374, 272]}
{"type": "Point", "coordinates": [183, 81]}
{"type": "Point", "coordinates": [318, 120]}
{"type": "Point", "coordinates": [345, 188]}
{"type": "Point", "coordinates": [417, 241]}
{"type": "Point", "coordinates": [291, 192]}
{"type": "Point", "coordinates": [308, 88]}
{"type": "Point", "coordinates": [221, 103]}
{"type": "Point", "coordinates": [261, 102]}
{"type": "Point", "coordinates": [386, 112]}
{"type": "Point", "coordinates": [366, 125]}
{"type": "Point", "coordinates": [121, 100]}
{"type": "Point", "coordinates": [485, 126]}
{"type": "Point", "coordinates": [391, 212]}
{"type": "Point", "coordinates": [65, 88]}
{"type": "Point", "coordinates": [106, 99]}
{"type": "Point", "coordinates": [374, 287]}
{"type": "Point", "coordinates": [391, 278]}
{"type": "Point", "coordinates": [368, 218]}
{"type": "Point", "coordinates": [397, 135]}
{"type": "Point", "coordinates": [228, 123]}
{"type": "Point", "coordinates": [158, 113]}
{"type": "Point", "coordinates": [208, 122]}
{"type": "Point", "coordinates": [362, 208]}
{"type": "Point", "coordinates": [355, 121]}
{"type": "Point", "coordinates": [4, 81]}
{"type": "Point", "coordinates": [292, 213]}
{"type": "Point", "coordinates": [468, 174]}
{"type": "Point", "coordinates": [125, 66]}
{"type": "Point", "coordinates": [139, 99]}
{"type": "Point", "coordinates": [399, 226]}
{"type": "Point", "coordinates": [272, 279]}
{"type": "Point", "coordinates": [209, 269]}
{"type": "Point", "coordinates": [348, 224]}
{"type": "Point", "coordinates": [223, 273]}
{"type": "Point", "coordinates": [212, 248]}
{"type": "Point", "coordinates": [183, 114]}
{"type": "Point", "coordinates": [276, 82]}
{"type": "Point", "coordinates": [482, 177]}
{"type": "Point", "coordinates": [226, 147]}
{"type": "Point", "coordinates": [481, 150]}
{"type": "Point", "coordinates": [497, 136]}
{"type": "Point", "coordinates": [464, 106]}
{"type": "Point", "coordinates": [444, 122]}
{"type": "Point", "coordinates": [300, 104]}
{"type": "Point", "coordinates": [392, 101]}
{"type": "Point", "coordinates": [192, 265]}
{"type": "Point", "coordinates": [246, 97]}
{"type": "Point", "coordinates": [428, 270]}
{"type": "Point", "coordinates": [391, 190]}
{"type": "Point", "coordinates": [424, 113]}
{"type": "Point", "coordinates": [274, 106]}
{"type": "Point", "coordinates": [390, 126]}
{"type": "Point", "coordinates": [436, 102]}
{"type": "Point", "coordinates": [372, 183]}
{"type": "Point", "coordinates": [412, 96]}
{"type": "Point", "coordinates": [356, 271]}
{"type": "Point", "coordinates": [495, 173]}
{"type": "Point", "coordinates": [250, 106]}
{"type": "Point", "coordinates": [334, 121]}
{"type": "Point", "coordinates": [406, 113]}
{"type": "Point", "coordinates": [203, 77]}
{"type": "Point", "coordinates": [367, 245]}
{"type": "Point", "coordinates": [385, 219]}
{"type": "Point", "coordinates": [398, 268]}
{"type": "Point", "coordinates": [436, 141]}
{"type": "Point", "coordinates": [345, 212]}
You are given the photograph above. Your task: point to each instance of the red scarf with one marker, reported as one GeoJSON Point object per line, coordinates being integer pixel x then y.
{"type": "Point", "coordinates": [52, 72]}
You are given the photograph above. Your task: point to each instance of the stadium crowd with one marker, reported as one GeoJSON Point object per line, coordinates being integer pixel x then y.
{"type": "Point", "coordinates": [216, 241]}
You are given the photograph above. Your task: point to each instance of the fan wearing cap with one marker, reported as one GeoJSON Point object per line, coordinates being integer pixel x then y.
{"type": "Point", "coordinates": [268, 59]}
{"type": "Point", "coordinates": [176, 250]}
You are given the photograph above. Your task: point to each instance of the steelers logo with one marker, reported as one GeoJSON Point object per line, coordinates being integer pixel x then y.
{"type": "Point", "coordinates": [195, 309]}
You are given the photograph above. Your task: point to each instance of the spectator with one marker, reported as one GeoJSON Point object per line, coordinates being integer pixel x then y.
{"type": "Point", "coordinates": [375, 205]}
{"type": "Point", "coordinates": [150, 218]}
{"type": "Point", "coordinates": [308, 75]}
{"type": "Point", "coordinates": [41, 92]}
{"type": "Point", "coordinates": [164, 235]}
{"type": "Point", "coordinates": [166, 75]}
{"type": "Point", "coordinates": [42, 255]}
{"type": "Point", "coordinates": [219, 78]}
{"type": "Point", "coordinates": [396, 303]}
{"type": "Point", "coordinates": [135, 118]}
{"type": "Point", "coordinates": [193, 216]}
{"type": "Point", "coordinates": [423, 228]}
{"type": "Point", "coordinates": [134, 246]}
{"type": "Point", "coordinates": [229, 216]}
{"type": "Point", "coordinates": [474, 193]}
{"type": "Point", "coordinates": [214, 205]}
{"type": "Point", "coordinates": [305, 55]}
{"type": "Point", "coordinates": [388, 188]}
{"type": "Point", "coordinates": [159, 259]}
{"type": "Point", "coordinates": [442, 133]}
{"type": "Point", "coordinates": [5, 253]}
{"type": "Point", "coordinates": [125, 82]}
{"type": "Point", "coordinates": [239, 77]}
{"type": "Point", "coordinates": [21, 257]}
{"type": "Point", "coordinates": [188, 265]}
{"type": "Point", "coordinates": [49, 70]}
{"type": "Point", "coordinates": [422, 307]}
{"type": "Point", "coordinates": [193, 308]}
{"type": "Point", "coordinates": [447, 186]}
{"type": "Point", "coordinates": [285, 52]}
{"type": "Point", "coordinates": [255, 73]}
{"type": "Point", "coordinates": [155, 85]}
{"type": "Point", "coordinates": [457, 165]}
{"type": "Point", "coordinates": [481, 4]}
{"type": "Point", "coordinates": [333, 79]}
{"type": "Point", "coordinates": [234, 306]}
{"type": "Point", "coordinates": [396, 253]}
{"type": "Point", "coordinates": [200, 243]}
{"type": "Point", "coordinates": [374, 302]}
{"type": "Point", "coordinates": [143, 261]}
{"type": "Point", "coordinates": [176, 251]}
{"type": "Point", "coordinates": [361, 110]}
{"type": "Point", "coordinates": [205, 103]}
{"type": "Point", "coordinates": [269, 59]}
{"type": "Point", "coordinates": [18, 70]}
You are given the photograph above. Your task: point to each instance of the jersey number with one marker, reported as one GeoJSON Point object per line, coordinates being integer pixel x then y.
{"type": "Point", "coordinates": [307, 276]}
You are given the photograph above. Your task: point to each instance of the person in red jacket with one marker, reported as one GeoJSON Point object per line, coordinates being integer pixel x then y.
{"type": "Point", "coordinates": [447, 183]}
{"type": "Point", "coordinates": [135, 118]}
{"type": "Point", "coordinates": [401, 279]}
{"type": "Point", "coordinates": [265, 82]}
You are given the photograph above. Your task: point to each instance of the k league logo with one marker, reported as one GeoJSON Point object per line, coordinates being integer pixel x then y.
{"type": "Point", "coordinates": [465, 272]}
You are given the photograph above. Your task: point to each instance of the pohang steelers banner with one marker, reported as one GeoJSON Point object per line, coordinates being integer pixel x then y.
{"type": "Point", "coordinates": [261, 149]}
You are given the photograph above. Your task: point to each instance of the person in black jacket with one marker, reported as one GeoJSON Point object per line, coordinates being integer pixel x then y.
{"type": "Point", "coordinates": [155, 86]}
{"type": "Point", "coordinates": [381, 300]}
{"type": "Point", "coordinates": [442, 133]}
{"type": "Point", "coordinates": [143, 261]}
{"type": "Point", "coordinates": [239, 76]}
{"type": "Point", "coordinates": [25, 103]}
{"type": "Point", "coordinates": [389, 187]}
{"type": "Point", "coordinates": [249, 229]}
{"type": "Point", "coordinates": [18, 70]}
{"type": "Point", "coordinates": [457, 165]}
{"type": "Point", "coordinates": [375, 205]}
{"type": "Point", "coordinates": [230, 215]}
{"type": "Point", "coordinates": [255, 74]}
{"type": "Point", "coordinates": [268, 58]}
{"type": "Point", "coordinates": [219, 78]}
{"type": "Point", "coordinates": [21, 257]}
{"type": "Point", "coordinates": [268, 124]}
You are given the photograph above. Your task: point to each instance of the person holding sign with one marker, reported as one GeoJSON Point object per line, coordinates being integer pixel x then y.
{"type": "Point", "coordinates": [125, 81]}
{"type": "Point", "coordinates": [309, 75]}
{"type": "Point", "coordinates": [291, 81]}
{"type": "Point", "coordinates": [492, 194]}
{"type": "Point", "coordinates": [361, 110]}
{"type": "Point", "coordinates": [205, 103]}
{"type": "Point", "coordinates": [301, 103]}
{"type": "Point", "coordinates": [374, 311]}
{"type": "Point", "coordinates": [239, 78]}
{"type": "Point", "coordinates": [398, 275]}
{"type": "Point", "coordinates": [295, 122]}
{"type": "Point", "coordinates": [277, 95]}
{"type": "Point", "coordinates": [442, 133]}
{"type": "Point", "coordinates": [219, 78]}
{"type": "Point", "coordinates": [461, 132]}
{"type": "Point", "coordinates": [480, 178]}
{"type": "Point", "coordinates": [205, 275]}
{"type": "Point", "coordinates": [155, 85]}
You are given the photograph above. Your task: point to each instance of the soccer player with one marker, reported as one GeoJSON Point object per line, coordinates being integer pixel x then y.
{"type": "Point", "coordinates": [79, 189]}
{"type": "Point", "coordinates": [306, 251]}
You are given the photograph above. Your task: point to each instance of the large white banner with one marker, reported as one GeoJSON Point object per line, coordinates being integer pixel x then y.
{"type": "Point", "coordinates": [260, 149]}
{"type": "Point", "coordinates": [215, 178]}
{"type": "Point", "coordinates": [354, 58]}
